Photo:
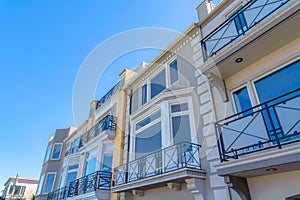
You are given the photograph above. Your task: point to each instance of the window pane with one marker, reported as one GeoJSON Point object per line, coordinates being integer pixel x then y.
{"type": "Point", "coordinates": [39, 189]}
{"type": "Point", "coordinates": [181, 129]}
{"type": "Point", "coordinates": [144, 94]}
{"type": "Point", "coordinates": [23, 190]}
{"type": "Point", "coordinates": [179, 107]}
{"type": "Point", "coordinates": [158, 84]}
{"type": "Point", "coordinates": [73, 167]}
{"type": "Point", "coordinates": [11, 189]}
{"type": "Point", "coordinates": [49, 183]}
{"type": "Point", "coordinates": [107, 163]}
{"type": "Point", "coordinates": [90, 166]}
{"type": "Point", "coordinates": [17, 190]}
{"type": "Point", "coordinates": [71, 177]}
{"type": "Point", "coordinates": [279, 83]}
{"type": "Point", "coordinates": [148, 140]}
{"type": "Point", "coordinates": [173, 72]}
{"type": "Point", "coordinates": [56, 151]}
{"type": "Point", "coordinates": [76, 145]}
{"type": "Point", "coordinates": [148, 120]}
{"type": "Point", "coordinates": [62, 180]}
{"type": "Point", "coordinates": [47, 156]}
{"type": "Point", "coordinates": [242, 100]}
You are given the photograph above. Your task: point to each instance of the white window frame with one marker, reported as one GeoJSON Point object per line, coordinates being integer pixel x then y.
{"type": "Point", "coordinates": [45, 181]}
{"type": "Point", "coordinates": [41, 184]}
{"type": "Point", "coordinates": [154, 75]}
{"type": "Point", "coordinates": [60, 151]}
{"type": "Point", "coordinates": [244, 85]}
{"type": "Point", "coordinates": [50, 146]}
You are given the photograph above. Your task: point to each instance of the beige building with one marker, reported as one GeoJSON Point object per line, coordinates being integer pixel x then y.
{"type": "Point", "coordinates": [249, 73]}
{"type": "Point", "coordinates": [19, 188]}
{"type": "Point", "coordinates": [213, 117]}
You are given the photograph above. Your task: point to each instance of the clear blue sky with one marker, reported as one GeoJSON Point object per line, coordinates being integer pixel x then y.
{"type": "Point", "coordinates": [43, 44]}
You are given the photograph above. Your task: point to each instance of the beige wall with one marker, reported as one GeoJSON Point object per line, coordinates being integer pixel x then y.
{"type": "Point", "coordinates": [275, 187]}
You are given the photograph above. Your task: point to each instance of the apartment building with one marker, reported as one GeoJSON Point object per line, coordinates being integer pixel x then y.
{"type": "Point", "coordinates": [214, 116]}
{"type": "Point", "coordinates": [249, 58]}
{"type": "Point", "coordinates": [86, 170]}
{"type": "Point", "coordinates": [49, 178]}
{"type": "Point", "coordinates": [19, 188]}
{"type": "Point", "coordinates": [162, 157]}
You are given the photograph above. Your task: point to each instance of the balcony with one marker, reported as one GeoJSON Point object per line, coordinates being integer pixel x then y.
{"type": "Point", "coordinates": [96, 185]}
{"type": "Point", "coordinates": [106, 126]}
{"type": "Point", "coordinates": [257, 29]}
{"type": "Point", "coordinates": [172, 164]}
{"type": "Point", "coordinates": [268, 135]}
{"type": "Point", "coordinates": [91, 183]}
{"type": "Point", "coordinates": [72, 150]}
{"type": "Point", "coordinates": [107, 96]}
{"type": "Point", "coordinates": [59, 194]}
{"type": "Point", "coordinates": [239, 24]}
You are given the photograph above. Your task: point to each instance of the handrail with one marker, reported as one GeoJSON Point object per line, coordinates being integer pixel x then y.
{"type": "Point", "coordinates": [238, 24]}
{"type": "Point", "coordinates": [172, 158]}
{"type": "Point", "coordinates": [105, 98]}
{"type": "Point", "coordinates": [274, 123]}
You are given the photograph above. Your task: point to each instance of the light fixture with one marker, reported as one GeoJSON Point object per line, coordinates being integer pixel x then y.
{"type": "Point", "coordinates": [239, 60]}
{"type": "Point", "coordinates": [271, 169]}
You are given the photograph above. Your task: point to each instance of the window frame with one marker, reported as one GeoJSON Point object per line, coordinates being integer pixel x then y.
{"type": "Point", "coordinates": [60, 151]}
{"type": "Point", "coordinates": [169, 72]}
{"type": "Point", "coordinates": [245, 85]}
{"type": "Point", "coordinates": [45, 181]}
{"type": "Point", "coordinates": [155, 75]}
{"type": "Point", "coordinates": [49, 147]}
{"type": "Point", "coordinates": [40, 186]}
{"type": "Point", "coordinates": [136, 132]}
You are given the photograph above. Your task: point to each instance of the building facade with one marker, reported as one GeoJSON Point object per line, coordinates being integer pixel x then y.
{"type": "Point", "coordinates": [50, 176]}
{"type": "Point", "coordinates": [19, 188]}
{"type": "Point", "coordinates": [249, 58]}
{"type": "Point", "coordinates": [214, 116]}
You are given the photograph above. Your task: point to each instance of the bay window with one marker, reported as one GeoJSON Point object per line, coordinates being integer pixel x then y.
{"type": "Point", "coordinates": [49, 182]}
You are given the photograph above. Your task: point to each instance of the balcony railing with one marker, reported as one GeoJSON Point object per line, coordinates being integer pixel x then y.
{"type": "Point", "coordinates": [106, 97]}
{"type": "Point", "coordinates": [72, 150]}
{"type": "Point", "coordinates": [179, 156]}
{"type": "Point", "coordinates": [243, 20]}
{"type": "Point", "coordinates": [273, 124]}
{"type": "Point", "coordinates": [59, 194]}
{"type": "Point", "coordinates": [99, 180]}
{"type": "Point", "coordinates": [107, 123]}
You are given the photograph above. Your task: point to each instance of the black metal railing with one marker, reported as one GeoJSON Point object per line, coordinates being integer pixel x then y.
{"type": "Point", "coordinates": [72, 150]}
{"type": "Point", "coordinates": [106, 97]}
{"type": "Point", "coordinates": [247, 17]}
{"type": "Point", "coordinates": [61, 193]}
{"type": "Point", "coordinates": [273, 124]}
{"type": "Point", "coordinates": [182, 155]}
{"type": "Point", "coordinates": [109, 122]}
{"type": "Point", "coordinates": [99, 180]}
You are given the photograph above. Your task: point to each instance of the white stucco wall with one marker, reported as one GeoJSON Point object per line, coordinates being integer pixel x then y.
{"type": "Point", "coordinates": [163, 193]}
{"type": "Point", "coordinates": [275, 187]}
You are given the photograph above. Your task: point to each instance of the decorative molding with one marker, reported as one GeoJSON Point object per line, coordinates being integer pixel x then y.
{"type": "Point", "coordinates": [219, 84]}
{"type": "Point", "coordinates": [196, 187]}
{"type": "Point", "coordinates": [174, 186]}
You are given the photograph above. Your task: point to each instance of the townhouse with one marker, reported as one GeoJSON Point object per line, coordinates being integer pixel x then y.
{"type": "Point", "coordinates": [214, 116]}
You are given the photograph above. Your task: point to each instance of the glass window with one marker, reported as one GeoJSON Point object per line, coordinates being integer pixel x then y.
{"type": "Point", "coordinates": [107, 163]}
{"type": "Point", "coordinates": [76, 145]}
{"type": "Point", "coordinates": [173, 72]}
{"type": "Point", "coordinates": [144, 94]}
{"type": "Point", "coordinates": [90, 166]}
{"type": "Point", "coordinates": [179, 107]}
{"type": "Point", "coordinates": [279, 83]}
{"type": "Point", "coordinates": [11, 189]}
{"type": "Point", "coordinates": [72, 167]}
{"type": "Point", "coordinates": [158, 83]}
{"type": "Point", "coordinates": [56, 151]}
{"type": "Point", "coordinates": [181, 129]}
{"type": "Point", "coordinates": [19, 190]}
{"type": "Point", "coordinates": [239, 21]}
{"type": "Point", "coordinates": [48, 151]}
{"type": "Point", "coordinates": [242, 100]}
{"type": "Point", "coordinates": [62, 177]}
{"type": "Point", "coordinates": [148, 140]}
{"type": "Point", "coordinates": [148, 120]}
{"type": "Point", "coordinates": [49, 183]}
{"type": "Point", "coordinates": [39, 189]}
{"type": "Point", "coordinates": [71, 177]}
